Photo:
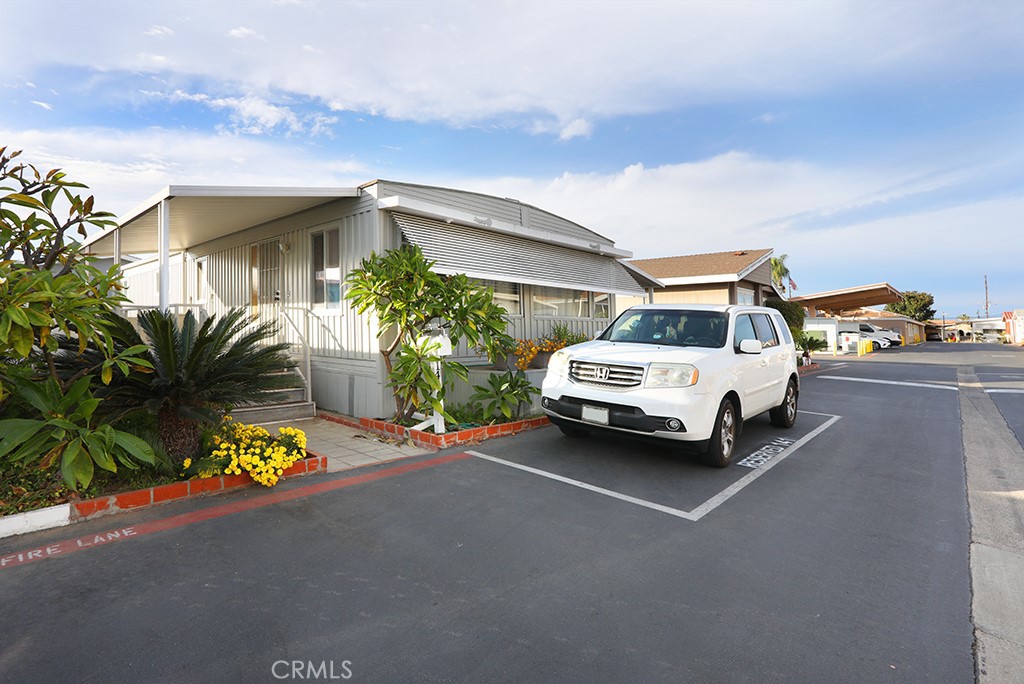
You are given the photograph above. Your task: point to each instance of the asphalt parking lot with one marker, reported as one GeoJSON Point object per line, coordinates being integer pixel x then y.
{"type": "Point", "coordinates": [843, 556]}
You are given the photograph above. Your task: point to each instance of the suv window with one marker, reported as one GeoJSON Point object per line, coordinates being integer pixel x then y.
{"type": "Point", "coordinates": [744, 330]}
{"type": "Point", "coordinates": [670, 327]}
{"type": "Point", "coordinates": [864, 327]}
{"type": "Point", "coordinates": [765, 332]}
{"type": "Point", "coordinates": [783, 328]}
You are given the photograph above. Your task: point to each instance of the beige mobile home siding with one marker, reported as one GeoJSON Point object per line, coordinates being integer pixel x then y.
{"type": "Point", "coordinates": [343, 346]}
{"type": "Point", "coordinates": [693, 294]}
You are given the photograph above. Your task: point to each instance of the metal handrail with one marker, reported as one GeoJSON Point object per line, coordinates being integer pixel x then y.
{"type": "Point", "coordinates": [307, 373]}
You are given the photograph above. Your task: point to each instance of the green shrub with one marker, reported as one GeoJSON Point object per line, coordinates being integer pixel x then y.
{"type": "Point", "coordinates": [504, 395]}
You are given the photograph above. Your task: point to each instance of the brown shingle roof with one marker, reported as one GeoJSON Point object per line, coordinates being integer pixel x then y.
{"type": "Point", "coordinates": [716, 263]}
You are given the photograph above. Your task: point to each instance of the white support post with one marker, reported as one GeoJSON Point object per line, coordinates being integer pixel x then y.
{"type": "Point", "coordinates": [163, 230]}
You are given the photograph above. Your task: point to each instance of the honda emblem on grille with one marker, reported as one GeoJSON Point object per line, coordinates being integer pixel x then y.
{"type": "Point", "coordinates": [601, 373]}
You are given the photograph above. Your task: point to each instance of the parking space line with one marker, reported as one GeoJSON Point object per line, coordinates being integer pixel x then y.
{"type": "Point", "coordinates": [701, 510]}
{"type": "Point", "coordinates": [1005, 391]}
{"type": "Point", "coordinates": [589, 487]}
{"type": "Point", "coordinates": [891, 382]}
{"type": "Point", "coordinates": [815, 413]}
{"type": "Point", "coordinates": [733, 489]}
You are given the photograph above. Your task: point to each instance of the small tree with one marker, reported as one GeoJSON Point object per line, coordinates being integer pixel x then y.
{"type": "Point", "coordinates": [408, 297]}
{"type": "Point", "coordinates": [914, 304]}
{"type": "Point", "coordinates": [47, 285]}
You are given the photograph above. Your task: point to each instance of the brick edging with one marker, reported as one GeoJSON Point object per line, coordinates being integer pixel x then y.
{"type": "Point", "coordinates": [801, 370]}
{"type": "Point", "coordinates": [429, 439]}
{"type": "Point", "coordinates": [151, 496]}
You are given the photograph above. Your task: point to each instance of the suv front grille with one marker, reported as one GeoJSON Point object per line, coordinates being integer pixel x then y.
{"type": "Point", "coordinates": [605, 375]}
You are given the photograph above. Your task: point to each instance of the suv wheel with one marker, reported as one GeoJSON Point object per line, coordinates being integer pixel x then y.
{"type": "Point", "coordinates": [723, 436]}
{"type": "Point", "coordinates": [784, 415]}
{"type": "Point", "coordinates": [875, 346]}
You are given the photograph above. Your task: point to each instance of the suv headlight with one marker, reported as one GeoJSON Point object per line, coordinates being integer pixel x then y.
{"type": "Point", "coordinates": [558, 363]}
{"type": "Point", "coordinates": [671, 375]}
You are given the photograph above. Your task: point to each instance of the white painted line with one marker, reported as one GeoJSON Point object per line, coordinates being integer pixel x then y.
{"type": "Point", "coordinates": [733, 489]}
{"type": "Point", "coordinates": [589, 487]}
{"type": "Point", "coordinates": [33, 521]}
{"type": "Point", "coordinates": [1005, 391]}
{"type": "Point", "coordinates": [815, 413]}
{"type": "Point", "coordinates": [1002, 356]}
{"type": "Point", "coordinates": [701, 510]}
{"type": "Point", "coordinates": [835, 365]}
{"type": "Point", "coordinates": [891, 382]}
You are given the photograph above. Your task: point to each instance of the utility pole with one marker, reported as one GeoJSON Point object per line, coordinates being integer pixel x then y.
{"type": "Point", "coordinates": [986, 296]}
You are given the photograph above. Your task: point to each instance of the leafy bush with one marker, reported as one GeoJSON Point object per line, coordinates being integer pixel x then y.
{"type": "Point", "coordinates": [504, 394]}
{"type": "Point", "coordinates": [67, 435]}
{"type": "Point", "coordinates": [792, 312]}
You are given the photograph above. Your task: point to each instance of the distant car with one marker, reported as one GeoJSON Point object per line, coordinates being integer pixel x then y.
{"type": "Point", "coordinates": [895, 339]}
{"type": "Point", "coordinates": [877, 341]}
{"type": "Point", "coordinates": [995, 338]}
{"type": "Point", "coordinates": [682, 373]}
{"type": "Point", "coordinates": [933, 337]}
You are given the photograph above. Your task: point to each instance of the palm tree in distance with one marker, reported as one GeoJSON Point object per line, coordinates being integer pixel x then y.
{"type": "Point", "coordinates": [780, 272]}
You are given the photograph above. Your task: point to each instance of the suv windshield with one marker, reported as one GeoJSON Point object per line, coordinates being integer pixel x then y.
{"type": "Point", "coordinates": [668, 327]}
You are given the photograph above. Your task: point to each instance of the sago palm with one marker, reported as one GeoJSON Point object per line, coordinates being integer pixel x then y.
{"type": "Point", "coordinates": [199, 371]}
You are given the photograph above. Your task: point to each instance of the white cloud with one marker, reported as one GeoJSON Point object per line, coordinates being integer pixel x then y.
{"type": "Point", "coordinates": [48, 107]}
{"type": "Point", "coordinates": [448, 62]}
{"type": "Point", "coordinates": [576, 129]}
{"type": "Point", "coordinates": [244, 32]}
{"type": "Point", "coordinates": [159, 31]}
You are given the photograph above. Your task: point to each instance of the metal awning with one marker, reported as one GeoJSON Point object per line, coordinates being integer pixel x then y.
{"type": "Point", "coordinates": [199, 213]}
{"type": "Point", "coordinates": [490, 255]}
{"type": "Point", "coordinates": [836, 301]}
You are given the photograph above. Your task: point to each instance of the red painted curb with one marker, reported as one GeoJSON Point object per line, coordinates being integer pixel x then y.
{"type": "Point", "coordinates": [151, 496]}
{"type": "Point", "coordinates": [429, 439]}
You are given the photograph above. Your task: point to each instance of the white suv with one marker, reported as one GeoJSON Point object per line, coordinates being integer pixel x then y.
{"type": "Point", "coordinates": [685, 372]}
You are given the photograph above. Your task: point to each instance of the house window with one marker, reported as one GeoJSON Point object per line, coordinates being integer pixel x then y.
{"type": "Point", "coordinates": [326, 270]}
{"type": "Point", "coordinates": [744, 296]}
{"type": "Point", "coordinates": [557, 301]}
{"type": "Point", "coordinates": [506, 295]}
{"type": "Point", "coordinates": [602, 305]}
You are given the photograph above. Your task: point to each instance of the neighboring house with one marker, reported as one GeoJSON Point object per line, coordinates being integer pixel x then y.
{"type": "Point", "coordinates": [284, 253]}
{"type": "Point", "coordinates": [740, 277]}
{"type": "Point", "coordinates": [1013, 322]}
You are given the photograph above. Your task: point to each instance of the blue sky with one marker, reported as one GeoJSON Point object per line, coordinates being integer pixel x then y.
{"type": "Point", "coordinates": [869, 141]}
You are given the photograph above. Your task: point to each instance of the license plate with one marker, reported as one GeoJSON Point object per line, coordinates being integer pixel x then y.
{"type": "Point", "coordinates": [595, 414]}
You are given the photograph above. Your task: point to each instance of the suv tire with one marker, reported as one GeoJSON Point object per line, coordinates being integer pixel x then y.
{"type": "Point", "coordinates": [784, 415]}
{"type": "Point", "coordinates": [723, 436]}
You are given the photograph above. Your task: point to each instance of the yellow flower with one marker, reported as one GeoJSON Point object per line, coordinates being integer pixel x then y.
{"type": "Point", "coordinates": [187, 463]}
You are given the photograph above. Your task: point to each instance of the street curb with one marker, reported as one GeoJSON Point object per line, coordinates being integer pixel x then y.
{"type": "Point", "coordinates": [429, 440]}
{"type": "Point", "coordinates": [88, 509]}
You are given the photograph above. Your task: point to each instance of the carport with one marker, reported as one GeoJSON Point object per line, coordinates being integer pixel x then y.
{"type": "Point", "coordinates": [834, 302]}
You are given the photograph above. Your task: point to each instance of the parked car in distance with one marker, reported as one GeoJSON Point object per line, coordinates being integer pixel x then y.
{"type": "Point", "coordinates": [895, 339]}
{"type": "Point", "coordinates": [877, 341]}
{"type": "Point", "coordinates": [683, 373]}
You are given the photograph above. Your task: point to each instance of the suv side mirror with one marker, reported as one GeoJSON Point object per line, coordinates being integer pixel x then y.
{"type": "Point", "coordinates": [750, 347]}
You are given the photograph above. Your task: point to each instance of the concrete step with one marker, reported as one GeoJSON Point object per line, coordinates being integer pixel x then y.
{"type": "Point", "coordinates": [275, 413]}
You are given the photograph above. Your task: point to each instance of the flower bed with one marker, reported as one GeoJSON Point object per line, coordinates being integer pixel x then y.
{"type": "Point", "coordinates": [150, 496]}
{"type": "Point", "coordinates": [432, 441]}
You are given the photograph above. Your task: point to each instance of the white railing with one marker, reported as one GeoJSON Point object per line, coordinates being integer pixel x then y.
{"type": "Point", "coordinates": [200, 309]}
{"type": "Point", "coordinates": [303, 335]}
